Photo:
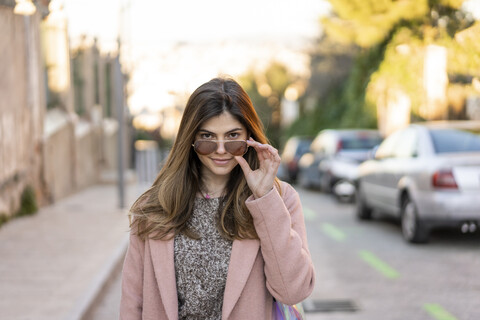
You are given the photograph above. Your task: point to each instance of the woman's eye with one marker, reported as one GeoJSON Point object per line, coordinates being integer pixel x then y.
{"type": "Point", "coordinates": [234, 135]}
{"type": "Point", "coordinates": [205, 136]}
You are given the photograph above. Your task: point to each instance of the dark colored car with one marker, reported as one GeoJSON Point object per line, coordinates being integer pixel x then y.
{"type": "Point", "coordinates": [334, 157]}
{"type": "Point", "coordinates": [294, 149]}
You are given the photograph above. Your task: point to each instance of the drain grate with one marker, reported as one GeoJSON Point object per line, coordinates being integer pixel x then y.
{"type": "Point", "coordinates": [310, 306]}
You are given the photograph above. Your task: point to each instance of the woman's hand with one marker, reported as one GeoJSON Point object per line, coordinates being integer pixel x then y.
{"type": "Point", "coordinates": [261, 180]}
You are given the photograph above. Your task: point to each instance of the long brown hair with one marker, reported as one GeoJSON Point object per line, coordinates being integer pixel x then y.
{"type": "Point", "coordinates": [165, 208]}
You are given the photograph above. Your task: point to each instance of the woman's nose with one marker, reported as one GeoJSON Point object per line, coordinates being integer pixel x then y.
{"type": "Point", "coordinates": [221, 147]}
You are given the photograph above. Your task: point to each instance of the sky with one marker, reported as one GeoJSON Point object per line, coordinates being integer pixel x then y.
{"type": "Point", "coordinates": [171, 47]}
{"type": "Point", "coordinates": [193, 21]}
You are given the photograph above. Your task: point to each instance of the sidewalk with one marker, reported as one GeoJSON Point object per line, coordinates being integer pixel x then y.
{"type": "Point", "coordinates": [54, 264]}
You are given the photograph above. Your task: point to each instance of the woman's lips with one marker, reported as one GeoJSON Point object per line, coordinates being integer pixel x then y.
{"type": "Point", "coordinates": [221, 161]}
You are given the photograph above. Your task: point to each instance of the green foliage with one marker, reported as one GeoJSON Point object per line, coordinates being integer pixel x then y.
{"type": "Point", "coordinates": [400, 69]}
{"type": "Point", "coordinates": [278, 78]}
{"type": "Point", "coordinates": [143, 135]}
{"type": "Point", "coordinates": [28, 202]}
{"type": "Point", "coordinates": [393, 35]}
{"type": "Point", "coordinates": [3, 218]}
{"type": "Point", "coordinates": [249, 82]}
{"type": "Point", "coordinates": [454, 4]}
{"type": "Point", "coordinates": [358, 112]}
{"type": "Point", "coordinates": [266, 90]}
{"type": "Point", "coordinates": [402, 65]}
{"type": "Point", "coordinates": [464, 51]}
{"type": "Point", "coordinates": [344, 106]}
{"type": "Point", "coordinates": [369, 22]}
{"type": "Point", "coordinates": [28, 205]}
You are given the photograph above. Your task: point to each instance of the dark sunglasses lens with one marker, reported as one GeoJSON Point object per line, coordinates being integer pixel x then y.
{"type": "Point", "coordinates": [205, 147]}
{"type": "Point", "coordinates": [236, 148]}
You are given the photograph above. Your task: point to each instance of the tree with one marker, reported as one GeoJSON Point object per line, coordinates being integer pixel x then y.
{"type": "Point", "coordinates": [369, 22]}
{"type": "Point", "coordinates": [392, 35]}
{"type": "Point", "coordinates": [266, 89]}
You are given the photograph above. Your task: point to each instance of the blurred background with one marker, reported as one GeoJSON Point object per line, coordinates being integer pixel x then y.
{"type": "Point", "coordinates": [92, 93]}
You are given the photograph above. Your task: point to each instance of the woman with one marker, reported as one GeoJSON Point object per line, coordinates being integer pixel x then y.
{"type": "Point", "coordinates": [212, 239]}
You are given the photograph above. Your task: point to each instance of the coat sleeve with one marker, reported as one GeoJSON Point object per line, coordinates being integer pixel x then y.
{"type": "Point", "coordinates": [132, 280]}
{"type": "Point", "coordinates": [278, 220]}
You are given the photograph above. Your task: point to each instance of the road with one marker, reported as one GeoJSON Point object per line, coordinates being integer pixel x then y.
{"type": "Point", "coordinates": [370, 265]}
{"type": "Point", "coordinates": [366, 271]}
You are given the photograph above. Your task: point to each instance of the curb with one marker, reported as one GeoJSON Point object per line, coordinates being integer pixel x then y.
{"type": "Point", "coordinates": [99, 283]}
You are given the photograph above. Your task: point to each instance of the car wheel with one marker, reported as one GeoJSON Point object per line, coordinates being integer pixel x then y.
{"type": "Point", "coordinates": [413, 229]}
{"type": "Point", "coordinates": [363, 211]}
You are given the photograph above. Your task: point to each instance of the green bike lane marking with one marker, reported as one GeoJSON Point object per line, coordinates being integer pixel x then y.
{"type": "Point", "coordinates": [328, 228]}
{"type": "Point", "coordinates": [338, 235]}
{"type": "Point", "coordinates": [438, 312]}
{"type": "Point", "coordinates": [309, 214]}
{"type": "Point", "coordinates": [379, 265]}
{"type": "Point", "coordinates": [333, 232]}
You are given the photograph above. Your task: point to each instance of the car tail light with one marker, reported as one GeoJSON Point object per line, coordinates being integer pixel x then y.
{"type": "Point", "coordinates": [339, 146]}
{"type": "Point", "coordinates": [292, 165]}
{"type": "Point", "coordinates": [444, 179]}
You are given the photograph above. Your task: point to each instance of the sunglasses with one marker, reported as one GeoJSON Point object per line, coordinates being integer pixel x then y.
{"type": "Point", "coordinates": [234, 147]}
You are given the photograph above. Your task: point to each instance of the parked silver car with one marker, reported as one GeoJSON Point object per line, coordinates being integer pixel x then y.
{"type": "Point", "coordinates": [428, 175]}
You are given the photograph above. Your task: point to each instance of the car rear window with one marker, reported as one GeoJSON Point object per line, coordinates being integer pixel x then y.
{"type": "Point", "coordinates": [455, 140]}
{"type": "Point", "coordinates": [360, 143]}
{"type": "Point", "coordinates": [303, 147]}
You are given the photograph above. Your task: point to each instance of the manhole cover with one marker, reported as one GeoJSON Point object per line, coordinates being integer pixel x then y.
{"type": "Point", "coordinates": [329, 306]}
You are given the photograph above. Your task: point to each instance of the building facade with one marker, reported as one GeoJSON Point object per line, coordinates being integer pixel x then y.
{"type": "Point", "coordinates": [59, 122]}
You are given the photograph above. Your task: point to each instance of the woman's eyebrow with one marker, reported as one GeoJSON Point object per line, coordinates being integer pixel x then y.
{"type": "Point", "coordinates": [205, 131]}
{"type": "Point", "coordinates": [229, 131]}
{"type": "Point", "coordinates": [233, 130]}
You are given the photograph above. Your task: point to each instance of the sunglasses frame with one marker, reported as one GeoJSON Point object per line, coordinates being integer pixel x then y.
{"type": "Point", "coordinates": [225, 142]}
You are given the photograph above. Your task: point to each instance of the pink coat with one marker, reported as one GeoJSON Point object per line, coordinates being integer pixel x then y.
{"type": "Point", "coordinates": [278, 265]}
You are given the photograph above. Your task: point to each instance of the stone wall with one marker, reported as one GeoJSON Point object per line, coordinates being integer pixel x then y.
{"type": "Point", "coordinates": [21, 108]}
{"type": "Point", "coordinates": [59, 155]}
{"type": "Point", "coordinates": [88, 154]}
{"type": "Point", "coordinates": [64, 148]}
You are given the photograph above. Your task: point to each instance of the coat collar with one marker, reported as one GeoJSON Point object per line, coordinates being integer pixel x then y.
{"type": "Point", "coordinates": [164, 268]}
{"type": "Point", "coordinates": [244, 253]}
{"type": "Point", "coordinates": [242, 258]}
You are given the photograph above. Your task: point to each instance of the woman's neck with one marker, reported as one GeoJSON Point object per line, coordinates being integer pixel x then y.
{"type": "Point", "coordinates": [213, 187]}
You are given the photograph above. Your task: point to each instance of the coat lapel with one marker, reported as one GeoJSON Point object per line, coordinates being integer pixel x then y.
{"type": "Point", "coordinates": [163, 264]}
{"type": "Point", "coordinates": [244, 253]}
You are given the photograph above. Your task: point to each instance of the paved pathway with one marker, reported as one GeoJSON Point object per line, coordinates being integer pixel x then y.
{"type": "Point", "coordinates": [53, 264]}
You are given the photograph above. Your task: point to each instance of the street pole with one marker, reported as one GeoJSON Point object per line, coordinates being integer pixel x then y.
{"type": "Point", "coordinates": [121, 128]}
